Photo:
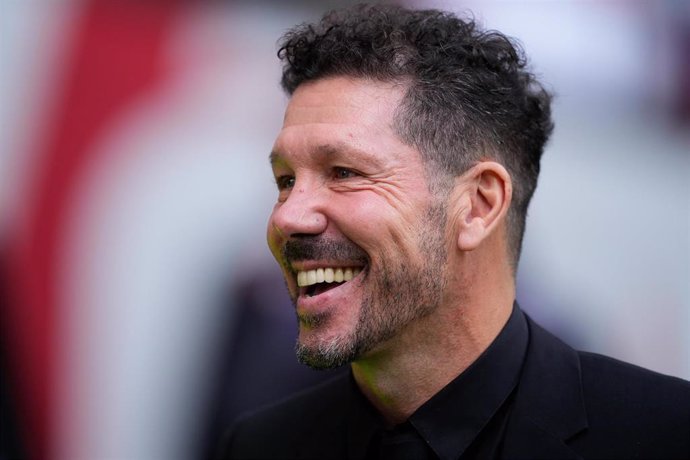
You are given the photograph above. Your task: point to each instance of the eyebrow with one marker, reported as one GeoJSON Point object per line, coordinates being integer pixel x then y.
{"type": "Point", "coordinates": [274, 157]}
{"type": "Point", "coordinates": [337, 149]}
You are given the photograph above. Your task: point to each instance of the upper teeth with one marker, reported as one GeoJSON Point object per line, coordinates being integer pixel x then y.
{"type": "Point", "coordinates": [326, 275]}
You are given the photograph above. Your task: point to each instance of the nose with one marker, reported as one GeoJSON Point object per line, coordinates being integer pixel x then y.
{"type": "Point", "coordinates": [300, 214]}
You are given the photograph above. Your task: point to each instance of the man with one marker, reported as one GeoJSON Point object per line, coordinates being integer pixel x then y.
{"type": "Point", "coordinates": [408, 156]}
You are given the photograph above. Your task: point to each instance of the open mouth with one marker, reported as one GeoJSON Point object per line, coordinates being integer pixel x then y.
{"type": "Point", "coordinates": [319, 280]}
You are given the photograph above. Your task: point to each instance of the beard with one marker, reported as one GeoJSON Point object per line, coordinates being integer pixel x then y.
{"type": "Point", "coordinates": [400, 292]}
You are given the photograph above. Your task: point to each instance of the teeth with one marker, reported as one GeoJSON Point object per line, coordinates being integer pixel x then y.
{"type": "Point", "coordinates": [327, 275]}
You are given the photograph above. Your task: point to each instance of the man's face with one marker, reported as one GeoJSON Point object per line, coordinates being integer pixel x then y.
{"type": "Point", "coordinates": [356, 230]}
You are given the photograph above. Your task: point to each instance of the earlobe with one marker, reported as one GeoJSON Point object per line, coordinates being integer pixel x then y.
{"type": "Point", "coordinates": [470, 235]}
{"type": "Point", "coordinates": [487, 194]}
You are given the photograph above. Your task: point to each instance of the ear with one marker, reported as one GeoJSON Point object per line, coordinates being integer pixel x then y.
{"type": "Point", "coordinates": [487, 191]}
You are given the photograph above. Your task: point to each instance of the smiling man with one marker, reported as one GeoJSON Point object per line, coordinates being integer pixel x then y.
{"type": "Point", "coordinates": [409, 153]}
{"type": "Point", "coordinates": [358, 233]}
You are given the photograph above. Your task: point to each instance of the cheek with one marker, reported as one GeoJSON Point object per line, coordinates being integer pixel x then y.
{"type": "Point", "coordinates": [376, 226]}
{"type": "Point", "coordinates": [359, 219]}
{"type": "Point", "coordinates": [273, 238]}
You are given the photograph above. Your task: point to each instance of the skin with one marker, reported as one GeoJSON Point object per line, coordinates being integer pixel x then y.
{"type": "Point", "coordinates": [343, 174]}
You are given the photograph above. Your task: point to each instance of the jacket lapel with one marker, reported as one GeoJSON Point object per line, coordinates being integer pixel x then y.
{"type": "Point", "coordinates": [549, 407]}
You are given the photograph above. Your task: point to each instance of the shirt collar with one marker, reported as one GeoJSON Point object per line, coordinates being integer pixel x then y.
{"type": "Point", "coordinates": [454, 416]}
{"type": "Point", "coordinates": [363, 422]}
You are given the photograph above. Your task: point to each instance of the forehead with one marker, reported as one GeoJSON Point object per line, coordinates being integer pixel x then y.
{"type": "Point", "coordinates": [343, 99]}
{"type": "Point", "coordinates": [348, 113]}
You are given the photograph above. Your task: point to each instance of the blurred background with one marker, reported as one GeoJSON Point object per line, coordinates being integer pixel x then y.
{"type": "Point", "coordinates": [140, 308]}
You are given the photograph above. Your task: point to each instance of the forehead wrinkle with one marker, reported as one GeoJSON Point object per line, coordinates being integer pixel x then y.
{"type": "Point", "coordinates": [345, 150]}
{"type": "Point", "coordinates": [343, 145]}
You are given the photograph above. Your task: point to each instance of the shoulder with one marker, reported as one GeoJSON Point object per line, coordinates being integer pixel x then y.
{"type": "Point", "coordinates": [278, 430]}
{"type": "Point", "coordinates": [608, 381]}
{"type": "Point", "coordinates": [622, 410]}
{"type": "Point", "coordinates": [634, 410]}
{"type": "Point", "coordinates": [616, 389]}
{"type": "Point", "coordinates": [630, 379]}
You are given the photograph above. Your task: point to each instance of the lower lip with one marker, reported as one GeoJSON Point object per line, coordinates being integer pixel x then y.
{"type": "Point", "coordinates": [331, 298]}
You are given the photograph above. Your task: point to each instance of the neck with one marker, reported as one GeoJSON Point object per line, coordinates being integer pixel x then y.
{"type": "Point", "coordinates": [406, 371]}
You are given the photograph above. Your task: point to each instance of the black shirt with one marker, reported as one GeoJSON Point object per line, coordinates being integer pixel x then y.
{"type": "Point", "coordinates": [466, 419]}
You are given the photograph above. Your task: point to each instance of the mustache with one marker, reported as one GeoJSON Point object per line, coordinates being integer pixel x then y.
{"type": "Point", "coordinates": [321, 248]}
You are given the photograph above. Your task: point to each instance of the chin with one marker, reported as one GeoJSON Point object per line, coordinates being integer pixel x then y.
{"type": "Point", "coordinates": [323, 349]}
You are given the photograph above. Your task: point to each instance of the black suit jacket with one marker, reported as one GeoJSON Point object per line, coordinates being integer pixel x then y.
{"type": "Point", "coordinates": [569, 405]}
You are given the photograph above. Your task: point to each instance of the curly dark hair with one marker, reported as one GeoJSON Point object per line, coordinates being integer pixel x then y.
{"type": "Point", "coordinates": [469, 95]}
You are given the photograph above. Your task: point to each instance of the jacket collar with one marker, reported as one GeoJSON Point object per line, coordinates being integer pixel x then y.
{"type": "Point", "coordinates": [549, 407]}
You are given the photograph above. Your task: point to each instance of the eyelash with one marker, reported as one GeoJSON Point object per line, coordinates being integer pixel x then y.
{"type": "Point", "coordinates": [338, 170]}
{"type": "Point", "coordinates": [287, 181]}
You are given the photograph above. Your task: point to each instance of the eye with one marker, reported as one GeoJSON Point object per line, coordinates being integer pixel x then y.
{"type": "Point", "coordinates": [285, 182]}
{"type": "Point", "coordinates": [343, 173]}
